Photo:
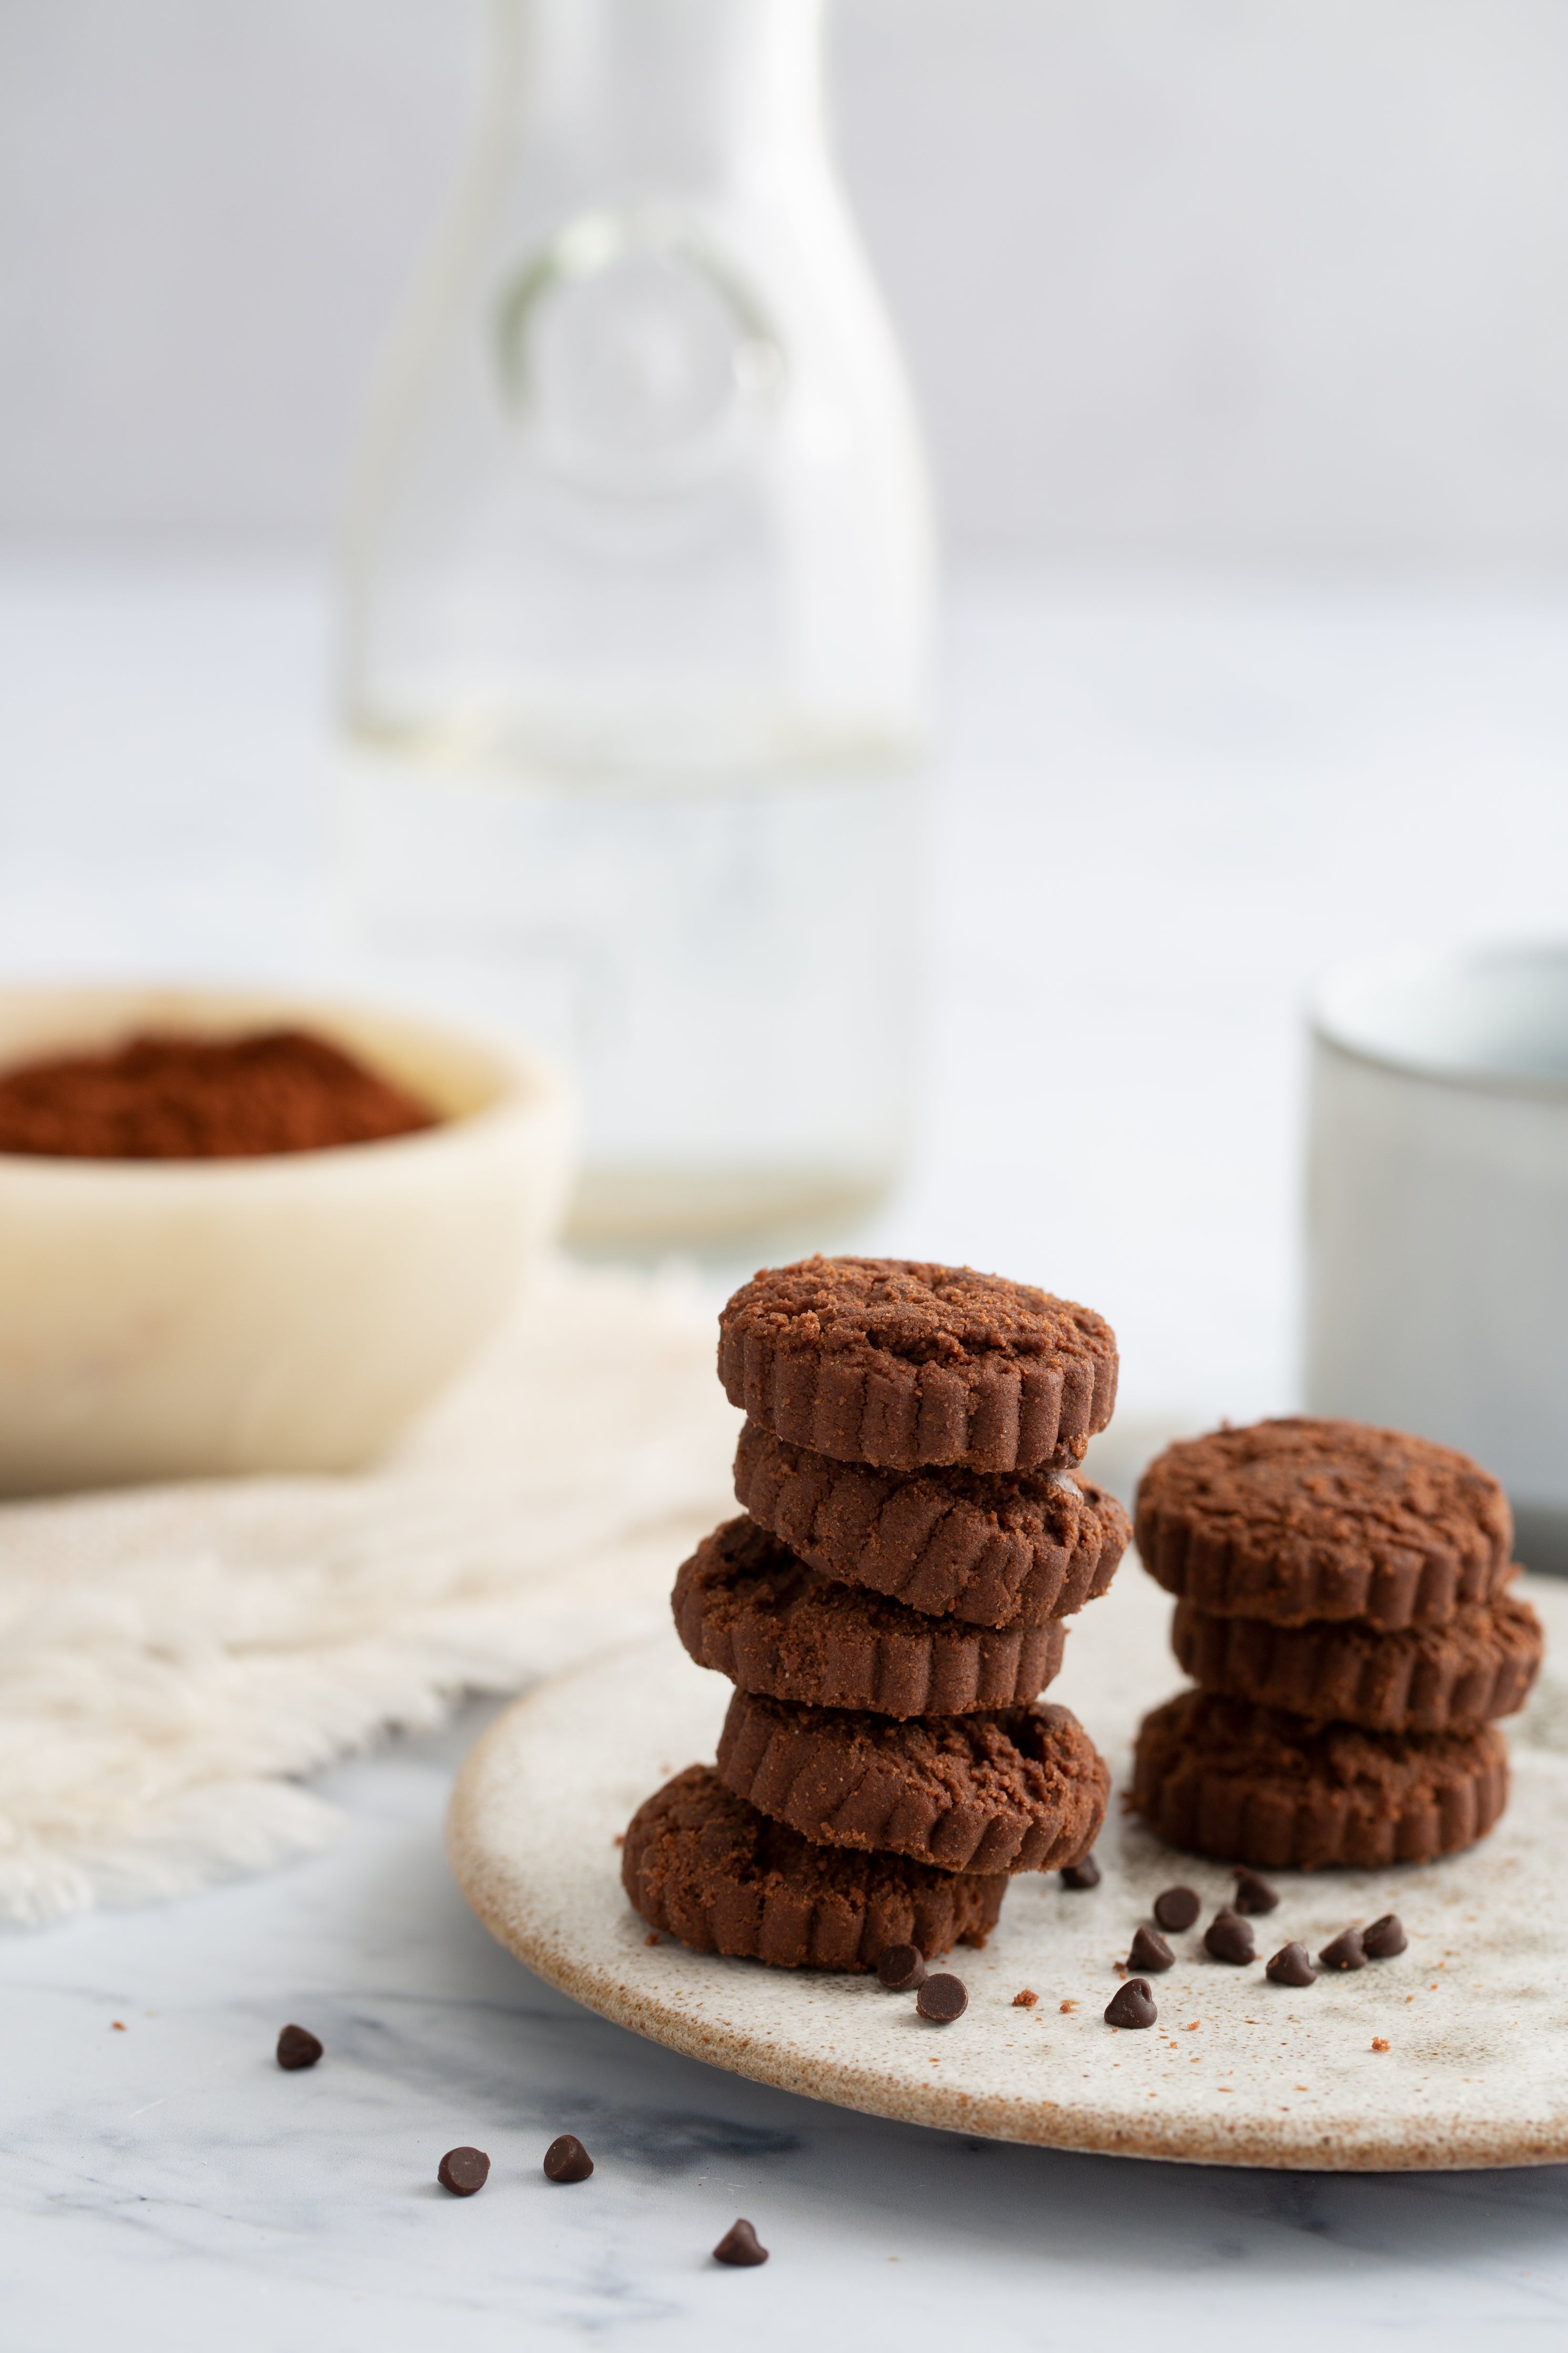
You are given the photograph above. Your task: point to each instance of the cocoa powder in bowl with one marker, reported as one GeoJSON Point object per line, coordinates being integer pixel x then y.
{"type": "Point", "coordinates": [173, 1098]}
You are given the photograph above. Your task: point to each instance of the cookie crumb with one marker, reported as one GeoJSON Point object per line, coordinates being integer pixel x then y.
{"type": "Point", "coordinates": [652, 1936]}
{"type": "Point", "coordinates": [1026, 2001]}
{"type": "Point", "coordinates": [1378, 2043]}
{"type": "Point", "coordinates": [1068, 2005]}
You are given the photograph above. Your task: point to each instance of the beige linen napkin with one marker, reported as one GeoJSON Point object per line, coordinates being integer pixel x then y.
{"type": "Point", "coordinates": [172, 1657]}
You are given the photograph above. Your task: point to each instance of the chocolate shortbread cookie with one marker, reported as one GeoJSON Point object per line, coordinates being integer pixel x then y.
{"type": "Point", "coordinates": [1246, 1784]}
{"type": "Point", "coordinates": [996, 1550]}
{"type": "Point", "coordinates": [1299, 1519]}
{"type": "Point", "coordinates": [1020, 1790]}
{"type": "Point", "coordinates": [746, 1606]}
{"type": "Point", "coordinates": [1424, 1679]}
{"type": "Point", "coordinates": [703, 1865]}
{"type": "Point", "coordinates": [897, 1363]}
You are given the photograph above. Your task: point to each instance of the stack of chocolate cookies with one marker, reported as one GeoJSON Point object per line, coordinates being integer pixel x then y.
{"type": "Point", "coordinates": [1342, 1604]}
{"type": "Point", "coordinates": [888, 1608]}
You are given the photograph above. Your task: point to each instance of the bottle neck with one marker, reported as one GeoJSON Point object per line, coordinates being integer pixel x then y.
{"type": "Point", "coordinates": [674, 93]}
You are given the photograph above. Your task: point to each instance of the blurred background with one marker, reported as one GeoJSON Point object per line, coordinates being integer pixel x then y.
{"type": "Point", "coordinates": [1179, 280]}
{"type": "Point", "coordinates": [1239, 335]}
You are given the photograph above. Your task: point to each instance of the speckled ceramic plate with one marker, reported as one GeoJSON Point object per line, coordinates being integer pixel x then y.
{"type": "Point", "coordinates": [1237, 2072]}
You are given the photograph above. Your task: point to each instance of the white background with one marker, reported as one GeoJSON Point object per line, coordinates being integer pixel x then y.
{"type": "Point", "coordinates": [1241, 331]}
{"type": "Point", "coordinates": [1269, 280]}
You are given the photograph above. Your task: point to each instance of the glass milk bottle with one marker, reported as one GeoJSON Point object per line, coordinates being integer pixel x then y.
{"type": "Point", "coordinates": [636, 608]}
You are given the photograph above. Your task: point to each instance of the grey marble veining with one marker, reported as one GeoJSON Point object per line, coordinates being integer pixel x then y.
{"type": "Point", "coordinates": [168, 2185]}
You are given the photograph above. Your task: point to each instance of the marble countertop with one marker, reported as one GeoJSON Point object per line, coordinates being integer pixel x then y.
{"type": "Point", "coordinates": [1244, 783]}
{"type": "Point", "coordinates": [168, 2185]}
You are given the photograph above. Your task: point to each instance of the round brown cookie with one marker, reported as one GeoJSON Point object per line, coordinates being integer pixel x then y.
{"type": "Point", "coordinates": [746, 1607]}
{"type": "Point", "coordinates": [701, 1865]}
{"type": "Point", "coordinates": [1425, 1679]}
{"type": "Point", "coordinates": [897, 1363]}
{"type": "Point", "coordinates": [1254, 1785]}
{"type": "Point", "coordinates": [1015, 1546]}
{"type": "Point", "coordinates": [1021, 1789]}
{"type": "Point", "coordinates": [1299, 1519]}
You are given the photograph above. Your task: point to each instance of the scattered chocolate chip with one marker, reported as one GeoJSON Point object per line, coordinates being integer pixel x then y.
{"type": "Point", "coordinates": [1149, 1951]}
{"type": "Point", "coordinates": [297, 2047]}
{"type": "Point", "coordinates": [1229, 1939]}
{"type": "Point", "coordinates": [1085, 1873]}
{"type": "Point", "coordinates": [738, 2246]}
{"type": "Point", "coordinates": [1254, 1894]}
{"type": "Point", "coordinates": [1384, 1938]}
{"type": "Point", "coordinates": [463, 2170]}
{"type": "Point", "coordinates": [567, 2160]}
{"type": "Point", "coordinates": [901, 1967]}
{"type": "Point", "coordinates": [1025, 2000]}
{"type": "Point", "coordinates": [1346, 1952]}
{"type": "Point", "coordinates": [1178, 1907]}
{"type": "Point", "coordinates": [1292, 1966]}
{"type": "Point", "coordinates": [1132, 2005]}
{"type": "Point", "coordinates": [942, 1999]}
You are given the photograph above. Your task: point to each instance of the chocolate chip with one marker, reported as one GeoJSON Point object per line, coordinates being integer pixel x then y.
{"type": "Point", "coordinates": [941, 1998]}
{"type": "Point", "coordinates": [1254, 1894]}
{"type": "Point", "coordinates": [1292, 1966]}
{"type": "Point", "coordinates": [1085, 1873]}
{"type": "Point", "coordinates": [1178, 1907]}
{"type": "Point", "coordinates": [463, 2170]}
{"type": "Point", "coordinates": [1229, 1939]}
{"type": "Point", "coordinates": [738, 2246]}
{"type": "Point", "coordinates": [1384, 1938]}
{"type": "Point", "coordinates": [298, 2047]}
{"type": "Point", "coordinates": [567, 2160]}
{"type": "Point", "coordinates": [901, 1967]}
{"type": "Point", "coordinates": [1149, 1951]}
{"type": "Point", "coordinates": [1346, 1952]}
{"type": "Point", "coordinates": [1132, 2005]}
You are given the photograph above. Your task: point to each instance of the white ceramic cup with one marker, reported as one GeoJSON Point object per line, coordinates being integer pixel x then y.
{"type": "Point", "coordinates": [165, 1319]}
{"type": "Point", "coordinates": [1437, 1213]}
